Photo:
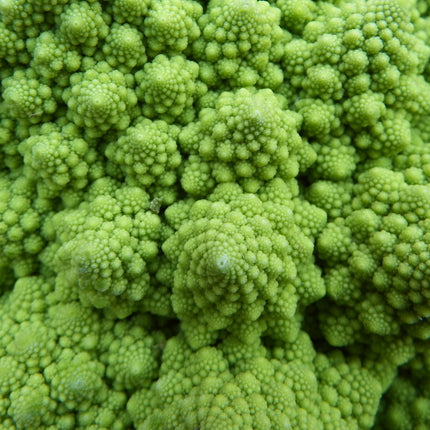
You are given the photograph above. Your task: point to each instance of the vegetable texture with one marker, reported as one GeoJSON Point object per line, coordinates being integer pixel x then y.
{"type": "Point", "coordinates": [214, 215]}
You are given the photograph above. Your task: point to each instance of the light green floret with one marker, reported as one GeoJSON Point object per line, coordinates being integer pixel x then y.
{"type": "Point", "coordinates": [309, 218]}
{"type": "Point", "coordinates": [309, 285]}
{"type": "Point", "coordinates": [324, 82]}
{"type": "Point", "coordinates": [28, 18]}
{"type": "Point", "coordinates": [295, 14]}
{"type": "Point", "coordinates": [335, 243]}
{"type": "Point", "coordinates": [336, 159]}
{"type": "Point", "coordinates": [10, 160]}
{"type": "Point", "coordinates": [106, 250]}
{"type": "Point", "coordinates": [168, 87]}
{"type": "Point", "coordinates": [33, 344]}
{"type": "Point", "coordinates": [57, 158]}
{"type": "Point", "coordinates": [130, 11]}
{"type": "Point", "coordinates": [384, 243]}
{"type": "Point", "coordinates": [27, 299]}
{"type": "Point", "coordinates": [76, 380]}
{"type": "Point", "coordinates": [247, 138]}
{"type": "Point", "coordinates": [404, 275]}
{"type": "Point", "coordinates": [339, 325]}
{"type": "Point", "coordinates": [99, 262]}
{"type": "Point", "coordinates": [231, 259]}
{"type": "Point", "coordinates": [334, 197]}
{"type": "Point", "coordinates": [171, 26]}
{"type": "Point", "coordinates": [148, 156]}
{"type": "Point", "coordinates": [31, 406]}
{"type": "Point", "coordinates": [414, 162]}
{"type": "Point", "coordinates": [404, 407]}
{"type": "Point", "coordinates": [82, 25]}
{"type": "Point", "coordinates": [348, 386]}
{"type": "Point", "coordinates": [366, 61]}
{"type": "Point", "coordinates": [21, 214]}
{"type": "Point", "coordinates": [7, 329]}
{"type": "Point", "coordinates": [319, 117]}
{"type": "Point", "coordinates": [132, 357]}
{"type": "Point", "coordinates": [99, 99]}
{"type": "Point", "coordinates": [384, 356]}
{"type": "Point", "coordinates": [12, 376]}
{"type": "Point", "coordinates": [406, 404]}
{"type": "Point", "coordinates": [279, 192]}
{"type": "Point", "coordinates": [411, 94]}
{"type": "Point", "coordinates": [388, 137]}
{"type": "Point", "coordinates": [200, 390]}
{"type": "Point", "coordinates": [327, 47]}
{"type": "Point", "coordinates": [240, 44]}
{"type": "Point", "coordinates": [11, 47]}
{"type": "Point", "coordinates": [414, 203]}
{"type": "Point", "coordinates": [364, 110]}
{"type": "Point", "coordinates": [123, 48]}
{"type": "Point", "coordinates": [76, 326]}
{"type": "Point", "coordinates": [27, 98]}
{"type": "Point", "coordinates": [377, 189]}
{"type": "Point", "coordinates": [214, 215]}
{"type": "Point", "coordinates": [53, 57]}
{"type": "Point", "coordinates": [297, 57]}
{"type": "Point", "coordinates": [109, 414]}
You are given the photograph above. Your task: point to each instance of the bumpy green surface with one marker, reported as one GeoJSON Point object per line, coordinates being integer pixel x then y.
{"type": "Point", "coordinates": [214, 215]}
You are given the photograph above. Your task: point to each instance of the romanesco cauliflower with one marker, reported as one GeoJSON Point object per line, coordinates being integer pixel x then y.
{"type": "Point", "coordinates": [214, 214]}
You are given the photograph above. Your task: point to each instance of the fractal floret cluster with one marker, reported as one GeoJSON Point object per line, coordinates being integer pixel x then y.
{"type": "Point", "coordinates": [214, 215]}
